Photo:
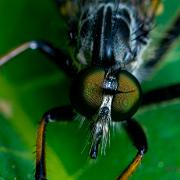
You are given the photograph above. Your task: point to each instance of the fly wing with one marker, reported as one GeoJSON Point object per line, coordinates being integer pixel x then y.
{"type": "Point", "coordinates": [147, 9]}
{"type": "Point", "coordinates": [68, 8]}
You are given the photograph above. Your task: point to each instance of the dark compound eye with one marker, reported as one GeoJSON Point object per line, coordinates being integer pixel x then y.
{"type": "Point", "coordinates": [128, 98]}
{"type": "Point", "coordinates": [87, 93]}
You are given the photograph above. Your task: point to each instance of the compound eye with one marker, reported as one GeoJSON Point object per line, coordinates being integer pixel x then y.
{"type": "Point", "coordinates": [86, 91]}
{"type": "Point", "coordinates": [128, 97]}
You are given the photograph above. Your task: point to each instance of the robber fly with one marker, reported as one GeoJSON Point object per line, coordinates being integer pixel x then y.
{"type": "Point", "coordinates": [109, 38]}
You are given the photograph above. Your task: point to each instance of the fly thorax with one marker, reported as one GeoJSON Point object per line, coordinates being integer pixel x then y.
{"type": "Point", "coordinates": [108, 36]}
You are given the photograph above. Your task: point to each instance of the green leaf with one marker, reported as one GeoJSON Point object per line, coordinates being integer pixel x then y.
{"type": "Point", "coordinates": [30, 85]}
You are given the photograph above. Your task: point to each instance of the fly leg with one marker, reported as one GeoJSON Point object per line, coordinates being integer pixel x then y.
{"type": "Point", "coordinates": [58, 114]}
{"type": "Point", "coordinates": [161, 94]}
{"type": "Point", "coordinates": [58, 57]}
{"type": "Point", "coordinates": [165, 43]}
{"type": "Point", "coordinates": [139, 140]}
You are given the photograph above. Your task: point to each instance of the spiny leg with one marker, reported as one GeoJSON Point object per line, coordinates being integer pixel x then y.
{"type": "Point", "coordinates": [139, 140]}
{"type": "Point", "coordinates": [58, 114]}
{"type": "Point", "coordinates": [165, 43]}
{"type": "Point", "coordinates": [161, 94]}
{"type": "Point", "coordinates": [56, 55]}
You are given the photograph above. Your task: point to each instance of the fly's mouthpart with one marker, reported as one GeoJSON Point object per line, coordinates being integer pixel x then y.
{"type": "Point", "coordinates": [100, 129]}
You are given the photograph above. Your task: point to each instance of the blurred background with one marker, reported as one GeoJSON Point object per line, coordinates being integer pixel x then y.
{"type": "Point", "coordinates": [30, 84]}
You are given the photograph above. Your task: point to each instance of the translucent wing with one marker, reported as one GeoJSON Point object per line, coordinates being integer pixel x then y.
{"type": "Point", "coordinates": [68, 8]}
{"type": "Point", "coordinates": [147, 8]}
